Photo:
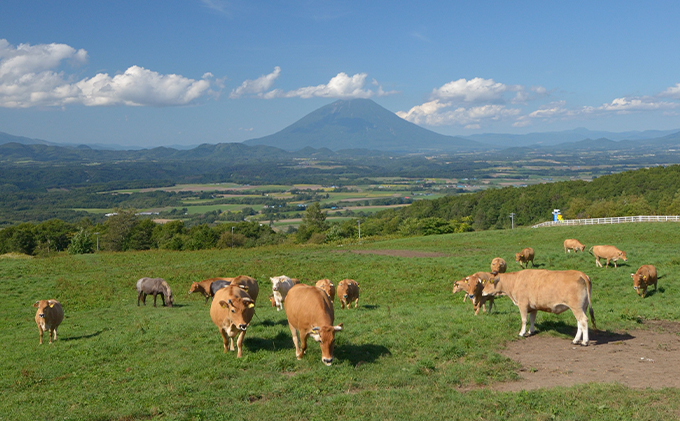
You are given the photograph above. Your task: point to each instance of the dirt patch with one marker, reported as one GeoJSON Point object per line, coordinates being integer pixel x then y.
{"type": "Point", "coordinates": [401, 253]}
{"type": "Point", "coordinates": [638, 359]}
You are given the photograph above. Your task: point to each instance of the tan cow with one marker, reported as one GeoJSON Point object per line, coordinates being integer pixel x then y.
{"type": "Point", "coordinates": [48, 317]}
{"type": "Point", "coordinates": [248, 284]}
{"type": "Point", "coordinates": [644, 277]}
{"type": "Point", "coordinates": [231, 311]}
{"type": "Point", "coordinates": [348, 291]}
{"type": "Point", "coordinates": [525, 256]}
{"type": "Point", "coordinates": [460, 286]}
{"type": "Point", "coordinates": [610, 253]}
{"type": "Point", "coordinates": [203, 287]}
{"type": "Point", "coordinates": [498, 265]}
{"type": "Point", "coordinates": [573, 244]}
{"type": "Point", "coordinates": [473, 286]}
{"type": "Point", "coordinates": [552, 291]}
{"type": "Point", "coordinates": [310, 313]}
{"type": "Point", "coordinates": [328, 287]}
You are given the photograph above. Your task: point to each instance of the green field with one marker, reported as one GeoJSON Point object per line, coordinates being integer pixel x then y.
{"type": "Point", "coordinates": [410, 351]}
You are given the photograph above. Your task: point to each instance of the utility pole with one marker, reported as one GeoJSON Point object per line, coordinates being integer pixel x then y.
{"type": "Point", "coordinates": [97, 234]}
{"type": "Point", "coordinates": [232, 236]}
{"type": "Point", "coordinates": [359, 221]}
{"type": "Point", "coordinates": [512, 218]}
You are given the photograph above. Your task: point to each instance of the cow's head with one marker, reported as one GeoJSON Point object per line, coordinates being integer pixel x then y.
{"type": "Point", "coordinates": [325, 336]}
{"type": "Point", "coordinates": [42, 306]}
{"type": "Point", "coordinates": [275, 282]}
{"type": "Point", "coordinates": [460, 285]}
{"type": "Point", "coordinates": [623, 256]}
{"type": "Point", "coordinates": [517, 256]}
{"type": "Point", "coordinates": [327, 286]}
{"type": "Point", "coordinates": [195, 286]}
{"type": "Point", "coordinates": [639, 282]}
{"type": "Point", "coordinates": [241, 311]}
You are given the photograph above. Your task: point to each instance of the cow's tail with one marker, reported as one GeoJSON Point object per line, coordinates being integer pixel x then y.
{"type": "Point", "coordinates": [590, 301]}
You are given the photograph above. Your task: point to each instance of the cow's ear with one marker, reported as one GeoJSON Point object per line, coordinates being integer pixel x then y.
{"type": "Point", "coordinates": [36, 304]}
{"type": "Point", "coordinates": [249, 303]}
{"type": "Point", "coordinates": [632, 275]}
{"type": "Point", "coordinates": [316, 329]}
{"type": "Point", "coordinates": [51, 303]}
{"type": "Point", "coordinates": [243, 287]}
{"type": "Point", "coordinates": [225, 304]}
{"type": "Point", "coordinates": [338, 327]}
{"type": "Point", "coordinates": [644, 278]}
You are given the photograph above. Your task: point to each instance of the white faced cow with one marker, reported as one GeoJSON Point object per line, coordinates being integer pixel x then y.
{"type": "Point", "coordinates": [280, 287]}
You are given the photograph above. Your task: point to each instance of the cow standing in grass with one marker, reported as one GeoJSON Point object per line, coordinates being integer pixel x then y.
{"type": "Point", "coordinates": [524, 257]}
{"type": "Point", "coordinates": [48, 317]}
{"type": "Point", "coordinates": [644, 277]}
{"type": "Point", "coordinates": [573, 244]}
{"type": "Point", "coordinates": [498, 265]}
{"type": "Point", "coordinates": [280, 287]}
{"type": "Point", "coordinates": [348, 291]}
{"type": "Point", "coordinates": [610, 253]}
{"type": "Point", "coordinates": [231, 311]}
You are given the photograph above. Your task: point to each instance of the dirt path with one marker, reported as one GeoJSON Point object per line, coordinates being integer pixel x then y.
{"type": "Point", "coordinates": [638, 359]}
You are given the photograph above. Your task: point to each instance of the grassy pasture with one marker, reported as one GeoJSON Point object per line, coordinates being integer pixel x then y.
{"type": "Point", "coordinates": [410, 351]}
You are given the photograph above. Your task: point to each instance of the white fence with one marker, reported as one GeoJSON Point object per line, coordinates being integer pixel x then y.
{"type": "Point", "coordinates": [615, 220]}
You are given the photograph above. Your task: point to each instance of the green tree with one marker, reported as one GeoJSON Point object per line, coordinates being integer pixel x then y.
{"type": "Point", "coordinates": [313, 222]}
{"type": "Point", "coordinates": [81, 243]}
{"type": "Point", "coordinates": [118, 229]}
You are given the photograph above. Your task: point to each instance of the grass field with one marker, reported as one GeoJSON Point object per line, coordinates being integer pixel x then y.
{"type": "Point", "coordinates": [410, 351]}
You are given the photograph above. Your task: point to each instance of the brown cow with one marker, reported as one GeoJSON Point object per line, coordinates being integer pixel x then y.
{"type": "Point", "coordinates": [48, 317]}
{"type": "Point", "coordinates": [553, 291]}
{"type": "Point", "coordinates": [475, 284]}
{"type": "Point", "coordinates": [203, 287]}
{"type": "Point", "coordinates": [348, 291]}
{"type": "Point", "coordinates": [248, 284]}
{"type": "Point", "coordinates": [328, 287]}
{"type": "Point", "coordinates": [609, 253]}
{"type": "Point", "coordinates": [498, 265]}
{"type": "Point", "coordinates": [310, 313]}
{"type": "Point", "coordinates": [573, 244]}
{"type": "Point", "coordinates": [231, 311]}
{"type": "Point", "coordinates": [460, 286]}
{"type": "Point", "coordinates": [644, 277]}
{"type": "Point", "coordinates": [525, 256]}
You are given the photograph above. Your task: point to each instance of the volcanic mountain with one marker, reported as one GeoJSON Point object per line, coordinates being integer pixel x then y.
{"type": "Point", "coordinates": [361, 124]}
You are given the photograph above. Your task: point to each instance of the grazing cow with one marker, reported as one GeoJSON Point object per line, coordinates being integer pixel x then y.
{"type": "Point", "coordinates": [573, 244]}
{"type": "Point", "coordinates": [609, 253]}
{"type": "Point", "coordinates": [48, 317]}
{"type": "Point", "coordinates": [310, 313]}
{"type": "Point", "coordinates": [328, 287]}
{"type": "Point", "coordinates": [474, 287]}
{"type": "Point", "coordinates": [525, 256]}
{"type": "Point", "coordinates": [155, 286]}
{"type": "Point", "coordinates": [280, 287]}
{"type": "Point", "coordinates": [204, 287]}
{"type": "Point", "coordinates": [231, 311]}
{"type": "Point", "coordinates": [498, 265]}
{"type": "Point", "coordinates": [644, 277]}
{"type": "Point", "coordinates": [348, 291]}
{"type": "Point", "coordinates": [552, 291]}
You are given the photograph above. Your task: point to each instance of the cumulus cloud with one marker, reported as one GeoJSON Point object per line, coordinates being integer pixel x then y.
{"type": "Point", "coordinates": [638, 104]}
{"type": "Point", "coordinates": [257, 86]}
{"type": "Point", "coordinates": [341, 86]}
{"type": "Point", "coordinates": [672, 92]}
{"type": "Point", "coordinates": [474, 90]}
{"type": "Point", "coordinates": [32, 76]}
{"type": "Point", "coordinates": [431, 114]}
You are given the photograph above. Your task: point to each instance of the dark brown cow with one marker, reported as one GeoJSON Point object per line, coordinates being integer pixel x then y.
{"type": "Point", "coordinates": [348, 291]}
{"type": "Point", "coordinates": [154, 286]}
{"type": "Point", "coordinates": [644, 277]}
{"type": "Point", "coordinates": [573, 244]}
{"type": "Point", "coordinates": [48, 317]}
{"type": "Point", "coordinates": [328, 287]}
{"type": "Point", "coordinates": [610, 253]}
{"type": "Point", "coordinates": [231, 311]}
{"type": "Point", "coordinates": [310, 313]}
{"type": "Point", "coordinates": [552, 291]}
{"type": "Point", "coordinates": [525, 256]}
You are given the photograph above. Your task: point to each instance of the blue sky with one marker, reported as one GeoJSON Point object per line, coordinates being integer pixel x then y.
{"type": "Point", "coordinates": [151, 73]}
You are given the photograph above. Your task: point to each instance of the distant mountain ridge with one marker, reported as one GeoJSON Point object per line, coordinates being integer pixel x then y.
{"type": "Point", "coordinates": [361, 123]}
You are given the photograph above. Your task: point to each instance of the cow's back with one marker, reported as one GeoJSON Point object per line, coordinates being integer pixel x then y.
{"type": "Point", "coordinates": [606, 251]}
{"type": "Point", "coordinates": [307, 306]}
{"type": "Point", "coordinates": [547, 287]}
{"type": "Point", "coordinates": [251, 285]}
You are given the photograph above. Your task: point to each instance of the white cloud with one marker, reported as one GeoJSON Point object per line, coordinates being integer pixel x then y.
{"type": "Point", "coordinates": [623, 105]}
{"type": "Point", "coordinates": [672, 92]}
{"type": "Point", "coordinates": [30, 76]}
{"type": "Point", "coordinates": [431, 114]}
{"type": "Point", "coordinates": [257, 86]}
{"type": "Point", "coordinates": [474, 90]}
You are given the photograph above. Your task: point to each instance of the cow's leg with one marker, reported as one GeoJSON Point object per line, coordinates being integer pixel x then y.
{"type": "Point", "coordinates": [303, 342]}
{"type": "Point", "coordinates": [615, 263]}
{"type": "Point", "coordinates": [597, 262]}
{"type": "Point", "coordinates": [523, 316]}
{"type": "Point", "coordinates": [54, 333]}
{"type": "Point", "coordinates": [296, 341]}
{"type": "Point", "coordinates": [206, 299]}
{"type": "Point", "coordinates": [532, 319]}
{"type": "Point", "coordinates": [356, 303]}
{"type": "Point", "coordinates": [41, 334]}
{"type": "Point", "coordinates": [582, 323]}
{"type": "Point", "coordinates": [607, 264]}
{"type": "Point", "coordinates": [225, 338]}
{"type": "Point", "coordinates": [239, 343]}
{"type": "Point", "coordinates": [490, 301]}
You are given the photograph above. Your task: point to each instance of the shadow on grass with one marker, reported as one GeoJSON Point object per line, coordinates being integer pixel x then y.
{"type": "Point", "coordinates": [360, 354]}
{"type": "Point", "coordinates": [75, 338]}
{"type": "Point", "coordinates": [280, 341]}
{"type": "Point", "coordinates": [370, 306]}
{"type": "Point", "coordinates": [601, 337]}
{"type": "Point", "coordinates": [270, 323]}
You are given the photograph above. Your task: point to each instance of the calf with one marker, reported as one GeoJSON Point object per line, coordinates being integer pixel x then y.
{"type": "Point", "coordinates": [525, 256]}
{"type": "Point", "coordinates": [280, 287]}
{"type": "Point", "coordinates": [231, 311]}
{"type": "Point", "coordinates": [48, 317]}
{"type": "Point", "coordinates": [609, 253]}
{"type": "Point", "coordinates": [644, 277]}
{"type": "Point", "coordinates": [573, 244]}
{"type": "Point", "coordinates": [348, 291]}
{"type": "Point", "coordinates": [474, 287]}
{"type": "Point", "coordinates": [553, 291]}
{"type": "Point", "coordinates": [310, 313]}
{"type": "Point", "coordinates": [498, 265]}
{"type": "Point", "coordinates": [327, 286]}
